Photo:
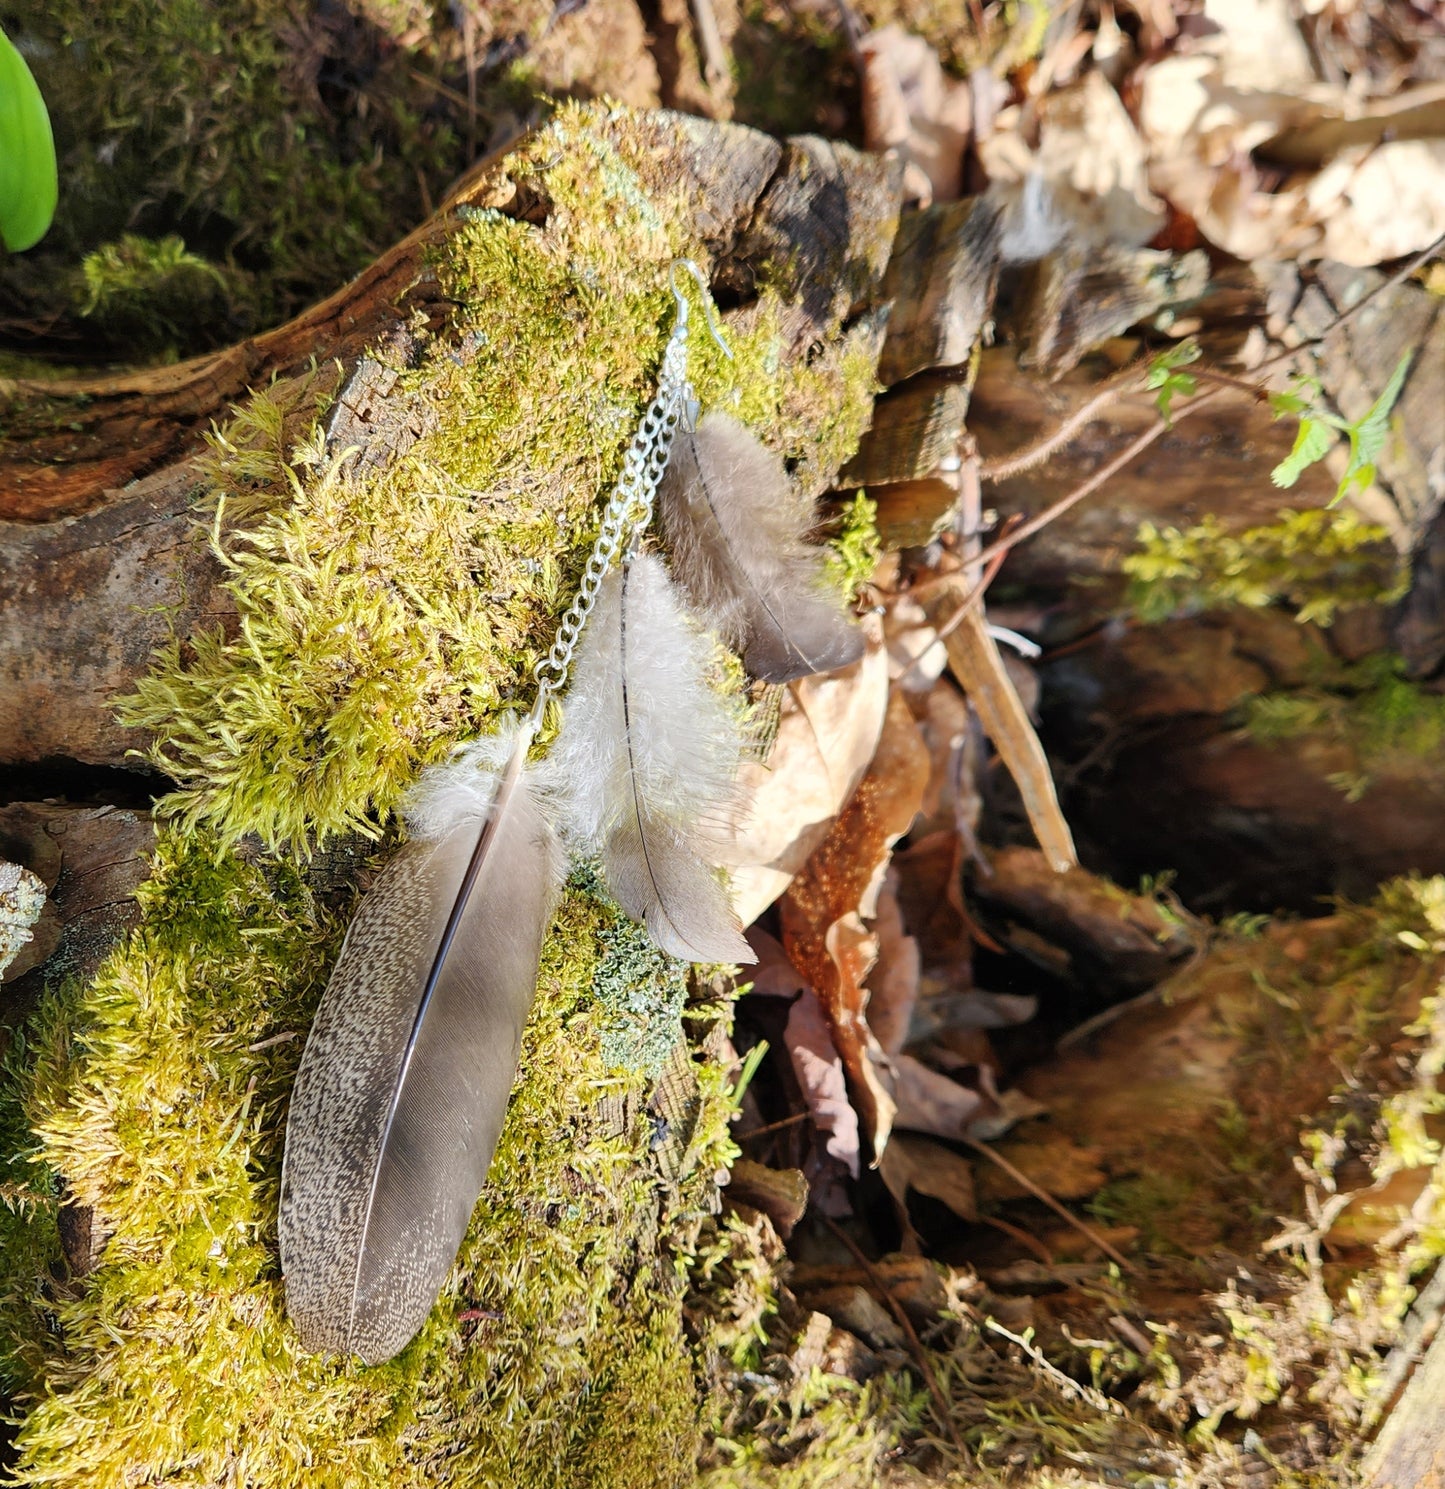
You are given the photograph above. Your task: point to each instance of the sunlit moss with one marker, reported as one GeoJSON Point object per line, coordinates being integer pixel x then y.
{"type": "Point", "coordinates": [386, 611]}
{"type": "Point", "coordinates": [1318, 562]}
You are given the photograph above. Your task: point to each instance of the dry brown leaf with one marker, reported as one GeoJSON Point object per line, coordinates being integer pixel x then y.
{"type": "Point", "coordinates": [823, 910]}
{"type": "Point", "coordinates": [893, 982]}
{"type": "Point", "coordinates": [928, 1101]}
{"type": "Point", "coordinates": [977, 664]}
{"type": "Point", "coordinates": [1091, 155]}
{"type": "Point", "coordinates": [1091, 160]}
{"type": "Point", "coordinates": [827, 734]}
{"type": "Point", "coordinates": [912, 106]}
{"type": "Point", "coordinates": [773, 975]}
{"type": "Point", "coordinates": [1380, 203]}
{"type": "Point", "coordinates": [928, 1168]}
{"type": "Point", "coordinates": [1370, 183]}
{"type": "Point", "coordinates": [819, 1072]}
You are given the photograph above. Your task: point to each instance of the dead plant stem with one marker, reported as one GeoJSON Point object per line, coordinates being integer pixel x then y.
{"type": "Point", "coordinates": [920, 1355]}
{"type": "Point", "coordinates": [1084, 1229]}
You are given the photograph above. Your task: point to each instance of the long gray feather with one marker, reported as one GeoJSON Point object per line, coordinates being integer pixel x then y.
{"type": "Point", "coordinates": [735, 529]}
{"type": "Point", "coordinates": [404, 1081]}
{"type": "Point", "coordinates": [646, 763]}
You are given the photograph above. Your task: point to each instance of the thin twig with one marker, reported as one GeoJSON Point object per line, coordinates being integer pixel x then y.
{"type": "Point", "coordinates": [975, 595]}
{"type": "Point", "coordinates": [1256, 390]}
{"type": "Point", "coordinates": [265, 1044]}
{"type": "Point", "coordinates": [1019, 1235]}
{"type": "Point", "coordinates": [742, 1137]}
{"type": "Point", "coordinates": [1012, 465]}
{"type": "Point", "coordinates": [1083, 1227]}
{"type": "Point", "coordinates": [709, 44]}
{"type": "Point", "coordinates": [1007, 466]}
{"type": "Point", "coordinates": [920, 1355]}
{"type": "Point", "coordinates": [1087, 488]}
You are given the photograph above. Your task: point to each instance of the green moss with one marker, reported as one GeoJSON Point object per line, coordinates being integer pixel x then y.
{"type": "Point", "coordinates": [856, 547]}
{"type": "Point", "coordinates": [386, 612]}
{"type": "Point", "coordinates": [1318, 562]}
{"type": "Point", "coordinates": [151, 293]}
{"type": "Point", "coordinates": [288, 148]}
{"type": "Point", "coordinates": [1390, 724]}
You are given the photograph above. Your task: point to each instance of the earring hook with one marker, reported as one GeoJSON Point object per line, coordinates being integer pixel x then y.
{"type": "Point", "coordinates": [713, 325]}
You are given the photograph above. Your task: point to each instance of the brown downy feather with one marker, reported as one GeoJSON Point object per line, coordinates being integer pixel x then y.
{"type": "Point", "coordinates": [404, 1081]}
{"type": "Point", "coordinates": [735, 530]}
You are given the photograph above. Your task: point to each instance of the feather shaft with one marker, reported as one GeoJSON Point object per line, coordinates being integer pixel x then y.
{"type": "Point", "coordinates": [736, 533]}
{"type": "Point", "coordinates": [404, 1081]}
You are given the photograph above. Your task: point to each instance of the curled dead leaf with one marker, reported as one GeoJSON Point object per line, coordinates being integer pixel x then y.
{"type": "Point", "coordinates": [819, 1073]}
{"type": "Point", "coordinates": [827, 732]}
{"type": "Point", "coordinates": [974, 656]}
{"type": "Point", "coordinates": [912, 106]}
{"type": "Point", "coordinates": [824, 908]}
{"type": "Point", "coordinates": [927, 1101]}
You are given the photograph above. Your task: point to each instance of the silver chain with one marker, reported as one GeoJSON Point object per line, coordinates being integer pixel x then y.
{"type": "Point", "coordinates": [628, 510]}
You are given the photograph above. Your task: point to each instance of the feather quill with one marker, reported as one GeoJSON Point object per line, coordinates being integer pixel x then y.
{"type": "Point", "coordinates": [646, 763]}
{"type": "Point", "coordinates": [404, 1081]}
{"type": "Point", "coordinates": [735, 530]}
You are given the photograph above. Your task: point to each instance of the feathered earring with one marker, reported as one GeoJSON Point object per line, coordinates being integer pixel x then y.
{"type": "Point", "coordinates": [736, 533]}
{"type": "Point", "coordinates": [403, 1084]}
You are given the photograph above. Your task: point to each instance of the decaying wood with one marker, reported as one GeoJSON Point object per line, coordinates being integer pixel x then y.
{"type": "Point", "coordinates": [1354, 362]}
{"type": "Point", "coordinates": [974, 656]}
{"type": "Point", "coordinates": [103, 553]}
{"type": "Point", "coordinates": [1082, 295]}
{"type": "Point", "coordinates": [909, 459]}
{"type": "Point", "coordinates": [940, 283]}
{"type": "Point", "coordinates": [92, 858]}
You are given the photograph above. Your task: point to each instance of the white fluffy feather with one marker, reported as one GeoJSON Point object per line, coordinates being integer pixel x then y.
{"type": "Point", "coordinates": [645, 764]}
{"type": "Point", "coordinates": [463, 787]}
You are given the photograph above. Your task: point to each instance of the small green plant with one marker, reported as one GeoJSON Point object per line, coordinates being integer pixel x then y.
{"type": "Point", "coordinates": [1167, 380]}
{"type": "Point", "coordinates": [1315, 561]}
{"type": "Point", "coordinates": [28, 181]}
{"type": "Point", "coordinates": [1318, 428]}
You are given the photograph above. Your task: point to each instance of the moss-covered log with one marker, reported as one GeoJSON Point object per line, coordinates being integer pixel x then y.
{"type": "Point", "coordinates": [360, 570]}
{"type": "Point", "coordinates": [97, 571]}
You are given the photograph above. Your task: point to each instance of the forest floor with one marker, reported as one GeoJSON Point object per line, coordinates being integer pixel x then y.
{"type": "Point", "coordinates": [1086, 1111]}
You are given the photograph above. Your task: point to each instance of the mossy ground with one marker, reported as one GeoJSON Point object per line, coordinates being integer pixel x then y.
{"type": "Point", "coordinates": [283, 145]}
{"type": "Point", "coordinates": [1317, 562]}
{"type": "Point", "coordinates": [1310, 1205]}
